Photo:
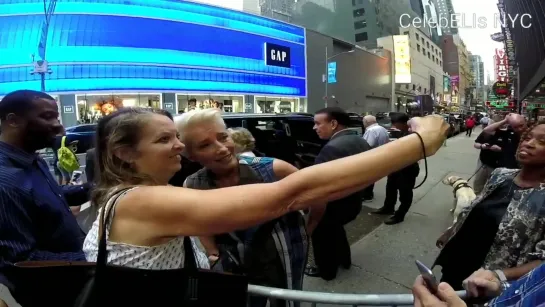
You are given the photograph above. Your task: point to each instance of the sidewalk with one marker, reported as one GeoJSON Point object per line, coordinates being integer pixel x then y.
{"type": "Point", "coordinates": [383, 261]}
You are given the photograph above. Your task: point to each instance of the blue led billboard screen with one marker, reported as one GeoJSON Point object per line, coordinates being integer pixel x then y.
{"type": "Point", "coordinates": [152, 45]}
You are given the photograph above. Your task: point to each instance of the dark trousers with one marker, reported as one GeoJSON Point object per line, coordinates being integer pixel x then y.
{"type": "Point", "coordinates": [404, 183]}
{"type": "Point", "coordinates": [468, 131]}
{"type": "Point", "coordinates": [368, 192]}
{"type": "Point", "coordinates": [331, 247]}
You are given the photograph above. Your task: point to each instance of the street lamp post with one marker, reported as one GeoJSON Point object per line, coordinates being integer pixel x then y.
{"type": "Point", "coordinates": [327, 59]}
{"type": "Point", "coordinates": [41, 66]}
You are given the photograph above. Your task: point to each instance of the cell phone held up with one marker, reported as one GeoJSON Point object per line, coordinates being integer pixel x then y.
{"type": "Point", "coordinates": [427, 275]}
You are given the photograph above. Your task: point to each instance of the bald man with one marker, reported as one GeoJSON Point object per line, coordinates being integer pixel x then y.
{"type": "Point", "coordinates": [498, 143]}
{"type": "Point", "coordinates": [376, 136]}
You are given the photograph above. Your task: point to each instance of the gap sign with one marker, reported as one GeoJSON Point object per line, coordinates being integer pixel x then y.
{"type": "Point", "coordinates": [276, 55]}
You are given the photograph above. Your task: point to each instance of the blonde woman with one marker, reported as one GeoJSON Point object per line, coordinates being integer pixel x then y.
{"type": "Point", "coordinates": [244, 141]}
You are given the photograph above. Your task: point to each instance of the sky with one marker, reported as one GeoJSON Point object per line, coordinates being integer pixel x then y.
{"type": "Point", "coordinates": [477, 37]}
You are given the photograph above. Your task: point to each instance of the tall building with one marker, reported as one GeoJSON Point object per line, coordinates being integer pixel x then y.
{"type": "Point", "coordinates": [477, 72]}
{"type": "Point", "coordinates": [430, 13]}
{"type": "Point", "coordinates": [456, 63]}
{"type": "Point", "coordinates": [425, 74]}
{"type": "Point", "coordinates": [278, 9]}
{"type": "Point", "coordinates": [357, 21]}
{"type": "Point", "coordinates": [524, 42]}
{"type": "Point", "coordinates": [444, 10]}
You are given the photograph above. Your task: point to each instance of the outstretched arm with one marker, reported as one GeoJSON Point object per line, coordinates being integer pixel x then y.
{"type": "Point", "coordinates": [171, 211]}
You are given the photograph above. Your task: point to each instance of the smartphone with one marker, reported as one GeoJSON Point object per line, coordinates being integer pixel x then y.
{"type": "Point", "coordinates": [428, 277]}
{"type": "Point", "coordinates": [76, 177]}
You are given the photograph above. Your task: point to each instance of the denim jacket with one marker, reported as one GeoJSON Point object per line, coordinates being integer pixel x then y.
{"type": "Point", "coordinates": [528, 291]}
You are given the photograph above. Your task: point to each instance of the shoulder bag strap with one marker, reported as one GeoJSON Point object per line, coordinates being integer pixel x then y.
{"type": "Point", "coordinates": [190, 262]}
{"type": "Point", "coordinates": [102, 257]}
{"type": "Point", "coordinates": [63, 141]}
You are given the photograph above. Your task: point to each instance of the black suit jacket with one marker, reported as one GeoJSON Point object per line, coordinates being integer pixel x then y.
{"type": "Point", "coordinates": [343, 144]}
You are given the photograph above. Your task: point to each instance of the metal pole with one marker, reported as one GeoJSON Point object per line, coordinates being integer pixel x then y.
{"type": "Point", "coordinates": [42, 75]}
{"type": "Point", "coordinates": [325, 76]}
{"type": "Point", "coordinates": [519, 103]}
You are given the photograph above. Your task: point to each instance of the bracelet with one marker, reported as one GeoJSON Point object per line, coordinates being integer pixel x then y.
{"type": "Point", "coordinates": [425, 160]}
{"type": "Point", "coordinates": [500, 275]}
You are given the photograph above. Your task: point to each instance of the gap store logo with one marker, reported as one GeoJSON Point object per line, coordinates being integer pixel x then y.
{"type": "Point", "coordinates": [149, 45]}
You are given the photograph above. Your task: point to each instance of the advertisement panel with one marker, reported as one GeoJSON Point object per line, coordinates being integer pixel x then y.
{"type": "Point", "coordinates": [402, 59]}
{"type": "Point", "coordinates": [178, 46]}
{"type": "Point", "coordinates": [454, 82]}
{"type": "Point", "coordinates": [501, 65]}
{"type": "Point", "coordinates": [446, 84]}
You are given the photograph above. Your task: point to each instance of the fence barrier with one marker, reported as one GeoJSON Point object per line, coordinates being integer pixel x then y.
{"type": "Point", "coordinates": [336, 298]}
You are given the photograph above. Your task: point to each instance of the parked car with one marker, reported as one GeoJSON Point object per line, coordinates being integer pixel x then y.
{"type": "Point", "coordinates": [84, 134]}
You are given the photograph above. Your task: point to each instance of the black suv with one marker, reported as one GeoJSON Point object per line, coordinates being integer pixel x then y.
{"type": "Point", "coordinates": [289, 137]}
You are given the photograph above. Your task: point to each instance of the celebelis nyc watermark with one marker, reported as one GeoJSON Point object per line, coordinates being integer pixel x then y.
{"type": "Point", "coordinates": [472, 21]}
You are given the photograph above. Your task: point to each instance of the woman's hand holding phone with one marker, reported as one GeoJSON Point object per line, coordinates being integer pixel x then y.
{"type": "Point", "coordinates": [445, 296]}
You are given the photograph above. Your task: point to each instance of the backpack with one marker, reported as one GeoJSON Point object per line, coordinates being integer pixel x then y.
{"type": "Point", "coordinates": [67, 159]}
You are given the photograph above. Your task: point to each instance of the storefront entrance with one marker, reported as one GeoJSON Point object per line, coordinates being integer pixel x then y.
{"type": "Point", "coordinates": [91, 107]}
{"type": "Point", "coordinates": [276, 104]}
{"type": "Point", "coordinates": [227, 103]}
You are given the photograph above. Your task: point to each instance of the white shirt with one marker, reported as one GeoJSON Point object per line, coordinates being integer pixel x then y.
{"type": "Point", "coordinates": [376, 135]}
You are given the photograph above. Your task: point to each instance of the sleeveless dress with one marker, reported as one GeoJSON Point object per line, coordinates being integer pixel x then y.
{"type": "Point", "coordinates": [169, 255]}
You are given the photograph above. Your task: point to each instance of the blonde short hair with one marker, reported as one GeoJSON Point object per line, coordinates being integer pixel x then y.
{"type": "Point", "coordinates": [196, 117]}
{"type": "Point", "coordinates": [243, 139]}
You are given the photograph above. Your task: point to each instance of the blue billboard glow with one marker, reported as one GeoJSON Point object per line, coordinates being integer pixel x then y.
{"type": "Point", "coordinates": [148, 45]}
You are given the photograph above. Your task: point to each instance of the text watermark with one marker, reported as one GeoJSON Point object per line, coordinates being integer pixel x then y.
{"type": "Point", "coordinates": [472, 21]}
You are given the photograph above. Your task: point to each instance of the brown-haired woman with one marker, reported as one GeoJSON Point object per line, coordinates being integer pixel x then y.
{"type": "Point", "coordinates": [139, 150]}
{"type": "Point", "coordinates": [504, 228]}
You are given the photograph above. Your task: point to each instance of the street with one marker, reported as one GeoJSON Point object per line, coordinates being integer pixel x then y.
{"type": "Point", "coordinates": [383, 256]}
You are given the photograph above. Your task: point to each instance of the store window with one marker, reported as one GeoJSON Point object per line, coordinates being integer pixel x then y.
{"type": "Point", "coordinates": [227, 103]}
{"type": "Point", "coordinates": [91, 107]}
{"type": "Point", "coordinates": [276, 104]}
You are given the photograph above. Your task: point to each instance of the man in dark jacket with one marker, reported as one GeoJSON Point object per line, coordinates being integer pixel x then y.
{"type": "Point", "coordinates": [326, 222]}
{"type": "Point", "coordinates": [402, 181]}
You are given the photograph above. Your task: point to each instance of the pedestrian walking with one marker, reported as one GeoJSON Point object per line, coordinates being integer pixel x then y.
{"type": "Point", "coordinates": [470, 124]}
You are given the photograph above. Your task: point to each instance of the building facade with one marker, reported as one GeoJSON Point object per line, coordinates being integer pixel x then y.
{"type": "Point", "coordinates": [456, 64]}
{"type": "Point", "coordinates": [477, 72]}
{"type": "Point", "coordinates": [426, 67]}
{"type": "Point", "coordinates": [445, 10]}
{"type": "Point", "coordinates": [354, 21]}
{"type": "Point", "coordinates": [354, 79]}
{"type": "Point", "coordinates": [524, 41]}
{"type": "Point", "coordinates": [208, 57]}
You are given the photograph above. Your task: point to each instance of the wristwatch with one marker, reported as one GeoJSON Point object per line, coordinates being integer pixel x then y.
{"type": "Point", "coordinates": [502, 278]}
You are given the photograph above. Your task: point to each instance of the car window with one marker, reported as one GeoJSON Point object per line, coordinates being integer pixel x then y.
{"type": "Point", "coordinates": [233, 122]}
{"type": "Point", "coordinates": [83, 128]}
{"type": "Point", "coordinates": [302, 130]}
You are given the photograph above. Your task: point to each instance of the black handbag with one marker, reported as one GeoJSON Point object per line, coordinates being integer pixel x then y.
{"type": "Point", "coordinates": [84, 284]}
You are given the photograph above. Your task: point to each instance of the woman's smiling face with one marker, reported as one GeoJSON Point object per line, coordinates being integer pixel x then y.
{"type": "Point", "coordinates": [210, 144]}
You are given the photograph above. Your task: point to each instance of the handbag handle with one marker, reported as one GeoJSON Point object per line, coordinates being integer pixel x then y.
{"type": "Point", "coordinates": [190, 262]}
{"type": "Point", "coordinates": [102, 257]}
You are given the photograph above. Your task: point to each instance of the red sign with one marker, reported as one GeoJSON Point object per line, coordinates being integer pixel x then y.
{"type": "Point", "coordinates": [501, 66]}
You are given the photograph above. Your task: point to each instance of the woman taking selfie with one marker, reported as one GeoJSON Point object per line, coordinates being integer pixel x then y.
{"type": "Point", "coordinates": [138, 152]}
